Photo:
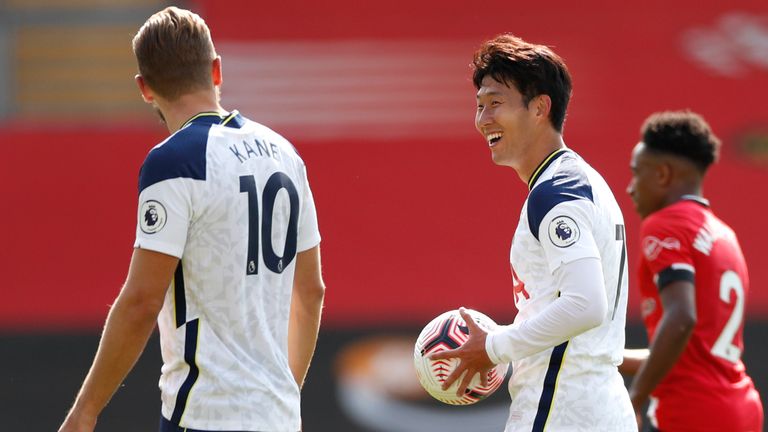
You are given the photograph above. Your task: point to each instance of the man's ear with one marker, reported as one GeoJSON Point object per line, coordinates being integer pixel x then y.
{"type": "Point", "coordinates": [146, 92]}
{"type": "Point", "coordinates": [542, 105]}
{"type": "Point", "coordinates": [216, 73]}
{"type": "Point", "coordinates": [664, 174]}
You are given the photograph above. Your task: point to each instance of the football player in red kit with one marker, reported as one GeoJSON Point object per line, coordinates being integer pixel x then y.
{"type": "Point", "coordinates": [694, 284]}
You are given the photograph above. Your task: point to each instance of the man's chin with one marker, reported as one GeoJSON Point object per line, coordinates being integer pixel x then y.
{"type": "Point", "coordinates": [495, 158]}
{"type": "Point", "coordinates": [498, 159]}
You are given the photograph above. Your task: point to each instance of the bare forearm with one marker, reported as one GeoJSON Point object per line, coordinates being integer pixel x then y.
{"type": "Point", "coordinates": [125, 335]}
{"type": "Point", "coordinates": [671, 338]}
{"type": "Point", "coordinates": [302, 334]}
{"type": "Point", "coordinates": [129, 324]}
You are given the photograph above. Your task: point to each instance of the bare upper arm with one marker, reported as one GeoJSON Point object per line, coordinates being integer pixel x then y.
{"type": "Point", "coordinates": [679, 298]}
{"type": "Point", "coordinates": [308, 275]}
{"type": "Point", "coordinates": [149, 276]}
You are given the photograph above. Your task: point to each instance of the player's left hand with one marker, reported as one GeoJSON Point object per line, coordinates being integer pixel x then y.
{"type": "Point", "coordinates": [473, 358]}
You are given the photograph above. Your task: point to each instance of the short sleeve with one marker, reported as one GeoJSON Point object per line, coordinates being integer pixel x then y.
{"type": "Point", "coordinates": [560, 211]}
{"type": "Point", "coordinates": [165, 202]}
{"type": "Point", "coordinates": [308, 232]}
{"type": "Point", "coordinates": [666, 251]}
{"type": "Point", "coordinates": [165, 190]}
{"type": "Point", "coordinates": [566, 235]}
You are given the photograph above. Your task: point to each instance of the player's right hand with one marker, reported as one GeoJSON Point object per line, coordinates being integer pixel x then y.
{"type": "Point", "coordinates": [473, 358]}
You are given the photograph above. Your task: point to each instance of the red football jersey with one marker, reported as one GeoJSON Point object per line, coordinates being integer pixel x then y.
{"type": "Point", "coordinates": [708, 388]}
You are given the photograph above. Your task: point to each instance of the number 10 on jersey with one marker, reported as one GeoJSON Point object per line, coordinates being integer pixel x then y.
{"type": "Point", "coordinates": [262, 227]}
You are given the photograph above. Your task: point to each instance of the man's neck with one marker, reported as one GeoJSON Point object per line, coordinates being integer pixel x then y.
{"type": "Point", "coordinates": [679, 193]}
{"type": "Point", "coordinates": [687, 180]}
{"type": "Point", "coordinates": [537, 153]}
{"type": "Point", "coordinates": [177, 113]}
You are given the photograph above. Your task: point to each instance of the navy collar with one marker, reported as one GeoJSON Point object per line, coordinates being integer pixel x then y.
{"type": "Point", "coordinates": [233, 119]}
{"type": "Point", "coordinates": [544, 165]}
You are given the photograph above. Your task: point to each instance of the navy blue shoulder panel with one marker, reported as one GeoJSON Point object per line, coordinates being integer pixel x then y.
{"type": "Point", "coordinates": [569, 183]}
{"type": "Point", "coordinates": [237, 121]}
{"type": "Point", "coordinates": [182, 156]}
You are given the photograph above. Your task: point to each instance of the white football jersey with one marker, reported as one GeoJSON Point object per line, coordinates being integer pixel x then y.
{"type": "Point", "coordinates": [570, 214]}
{"type": "Point", "coordinates": [230, 198]}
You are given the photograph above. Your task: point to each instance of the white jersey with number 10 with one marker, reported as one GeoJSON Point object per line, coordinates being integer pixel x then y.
{"type": "Point", "coordinates": [230, 198]}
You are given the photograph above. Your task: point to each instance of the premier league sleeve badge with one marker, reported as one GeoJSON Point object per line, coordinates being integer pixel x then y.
{"type": "Point", "coordinates": [563, 231]}
{"type": "Point", "coordinates": [152, 216]}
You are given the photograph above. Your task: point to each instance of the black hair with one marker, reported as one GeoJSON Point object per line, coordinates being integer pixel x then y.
{"type": "Point", "coordinates": [533, 70]}
{"type": "Point", "coordinates": [681, 133]}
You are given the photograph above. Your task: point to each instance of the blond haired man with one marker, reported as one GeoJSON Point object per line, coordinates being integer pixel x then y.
{"type": "Point", "coordinates": [226, 257]}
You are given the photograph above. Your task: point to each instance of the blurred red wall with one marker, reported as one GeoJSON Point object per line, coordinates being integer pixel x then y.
{"type": "Point", "coordinates": [411, 226]}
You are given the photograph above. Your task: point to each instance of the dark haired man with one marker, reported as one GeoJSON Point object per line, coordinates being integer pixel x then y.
{"type": "Point", "coordinates": [568, 256]}
{"type": "Point", "coordinates": [694, 284]}
{"type": "Point", "coordinates": [226, 258]}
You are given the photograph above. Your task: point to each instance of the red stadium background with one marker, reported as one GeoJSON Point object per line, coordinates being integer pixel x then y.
{"type": "Point", "coordinates": [415, 217]}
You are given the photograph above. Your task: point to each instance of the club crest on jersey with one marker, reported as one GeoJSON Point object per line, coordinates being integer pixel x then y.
{"type": "Point", "coordinates": [652, 246]}
{"type": "Point", "coordinates": [152, 216]}
{"type": "Point", "coordinates": [563, 231]}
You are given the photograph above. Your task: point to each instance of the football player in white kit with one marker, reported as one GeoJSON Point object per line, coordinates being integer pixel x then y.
{"type": "Point", "coordinates": [226, 258]}
{"type": "Point", "coordinates": [568, 256]}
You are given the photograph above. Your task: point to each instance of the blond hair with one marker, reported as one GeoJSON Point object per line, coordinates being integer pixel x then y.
{"type": "Point", "coordinates": [174, 52]}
